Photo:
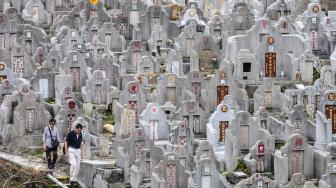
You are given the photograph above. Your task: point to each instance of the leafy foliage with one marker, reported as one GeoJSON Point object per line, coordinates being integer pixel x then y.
{"type": "Point", "coordinates": [108, 117]}
{"type": "Point", "coordinates": [242, 167]}
{"type": "Point", "coordinates": [283, 88]}
{"type": "Point", "coordinates": [279, 144]}
{"type": "Point", "coordinates": [50, 101]}
{"type": "Point", "coordinates": [107, 7]}
{"type": "Point", "coordinates": [316, 74]}
{"type": "Point", "coordinates": [39, 154]}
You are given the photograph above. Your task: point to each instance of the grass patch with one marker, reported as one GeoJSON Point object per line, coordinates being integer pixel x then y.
{"type": "Point", "coordinates": [242, 167]}
{"type": "Point", "coordinates": [50, 101]}
{"type": "Point", "coordinates": [39, 154]}
{"type": "Point", "coordinates": [279, 144]}
{"type": "Point", "coordinates": [107, 7]}
{"type": "Point", "coordinates": [107, 116]}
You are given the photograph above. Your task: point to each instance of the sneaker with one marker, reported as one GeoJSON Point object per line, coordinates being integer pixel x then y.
{"type": "Point", "coordinates": [50, 171]}
{"type": "Point", "coordinates": [73, 183]}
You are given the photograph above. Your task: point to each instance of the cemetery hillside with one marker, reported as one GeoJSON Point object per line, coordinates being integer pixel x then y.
{"type": "Point", "coordinates": [167, 94]}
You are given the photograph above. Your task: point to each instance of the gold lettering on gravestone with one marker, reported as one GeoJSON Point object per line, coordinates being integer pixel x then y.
{"type": "Point", "coordinates": [94, 2]}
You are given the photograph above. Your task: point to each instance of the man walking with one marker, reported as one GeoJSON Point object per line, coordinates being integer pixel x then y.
{"type": "Point", "coordinates": [50, 144]}
{"type": "Point", "coordinates": [72, 146]}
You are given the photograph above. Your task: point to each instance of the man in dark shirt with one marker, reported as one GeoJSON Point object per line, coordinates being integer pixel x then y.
{"type": "Point", "coordinates": [72, 146]}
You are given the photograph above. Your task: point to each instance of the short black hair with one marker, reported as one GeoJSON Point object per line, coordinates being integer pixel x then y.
{"type": "Point", "coordinates": [79, 126]}
{"type": "Point", "coordinates": [52, 121]}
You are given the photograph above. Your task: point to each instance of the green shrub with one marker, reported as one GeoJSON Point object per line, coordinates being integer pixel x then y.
{"type": "Point", "coordinates": [316, 74]}
{"type": "Point", "coordinates": [242, 167]}
{"type": "Point", "coordinates": [50, 100]}
{"type": "Point", "coordinates": [107, 116]}
{"type": "Point", "coordinates": [39, 154]}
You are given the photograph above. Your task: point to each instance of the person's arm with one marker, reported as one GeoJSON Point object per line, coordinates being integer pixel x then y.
{"type": "Point", "coordinates": [82, 150]}
{"type": "Point", "coordinates": [66, 146]}
{"type": "Point", "coordinates": [57, 135]}
{"type": "Point", "coordinates": [82, 147]}
{"type": "Point", "coordinates": [44, 139]}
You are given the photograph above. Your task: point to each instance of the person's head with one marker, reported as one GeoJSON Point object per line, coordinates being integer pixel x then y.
{"type": "Point", "coordinates": [78, 128]}
{"type": "Point", "coordinates": [52, 122]}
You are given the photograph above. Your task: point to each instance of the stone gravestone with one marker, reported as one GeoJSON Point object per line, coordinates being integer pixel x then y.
{"type": "Point", "coordinates": [66, 116]}
{"type": "Point", "coordinates": [256, 181]}
{"type": "Point", "coordinates": [7, 74]}
{"type": "Point", "coordinates": [182, 136]}
{"type": "Point", "coordinates": [34, 11]}
{"type": "Point", "coordinates": [171, 170]}
{"type": "Point", "coordinates": [63, 88]}
{"type": "Point", "coordinates": [97, 88]}
{"type": "Point", "coordinates": [76, 66]}
{"type": "Point", "coordinates": [128, 122]}
{"type": "Point", "coordinates": [325, 120]}
{"type": "Point", "coordinates": [133, 95]}
{"type": "Point", "coordinates": [193, 116]}
{"type": "Point", "coordinates": [296, 158]}
{"type": "Point", "coordinates": [29, 117]}
{"type": "Point", "coordinates": [155, 122]}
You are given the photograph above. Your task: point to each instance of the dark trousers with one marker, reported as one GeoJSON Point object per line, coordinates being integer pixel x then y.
{"type": "Point", "coordinates": [51, 157]}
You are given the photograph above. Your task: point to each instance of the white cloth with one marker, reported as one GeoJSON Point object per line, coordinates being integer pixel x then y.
{"type": "Point", "coordinates": [74, 160]}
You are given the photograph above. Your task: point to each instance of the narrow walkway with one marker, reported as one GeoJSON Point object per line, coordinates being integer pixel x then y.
{"type": "Point", "coordinates": [34, 164]}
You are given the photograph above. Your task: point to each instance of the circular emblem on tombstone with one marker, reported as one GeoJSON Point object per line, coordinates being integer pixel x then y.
{"type": "Point", "coordinates": [72, 104]}
{"type": "Point", "coordinates": [146, 59]}
{"type": "Point", "coordinates": [24, 89]}
{"type": "Point", "coordinates": [99, 74]}
{"type": "Point", "coordinates": [191, 13]}
{"type": "Point", "coordinates": [182, 124]}
{"type": "Point", "coordinates": [133, 88]}
{"type": "Point", "coordinates": [332, 96]}
{"type": "Point", "coordinates": [40, 50]}
{"type": "Point", "coordinates": [154, 110]}
{"type": "Point", "coordinates": [12, 13]}
{"type": "Point", "coordinates": [94, 2]}
{"type": "Point", "coordinates": [136, 45]}
{"type": "Point", "coordinates": [67, 90]}
{"type": "Point", "coordinates": [316, 9]}
{"type": "Point", "coordinates": [222, 75]}
{"type": "Point", "coordinates": [190, 107]}
{"type": "Point", "coordinates": [299, 179]}
{"type": "Point", "coordinates": [270, 40]}
{"type": "Point", "coordinates": [121, 17]}
{"type": "Point", "coordinates": [2, 67]}
{"type": "Point", "coordinates": [225, 108]}
{"type": "Point", "coordinates": [298, 142]}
